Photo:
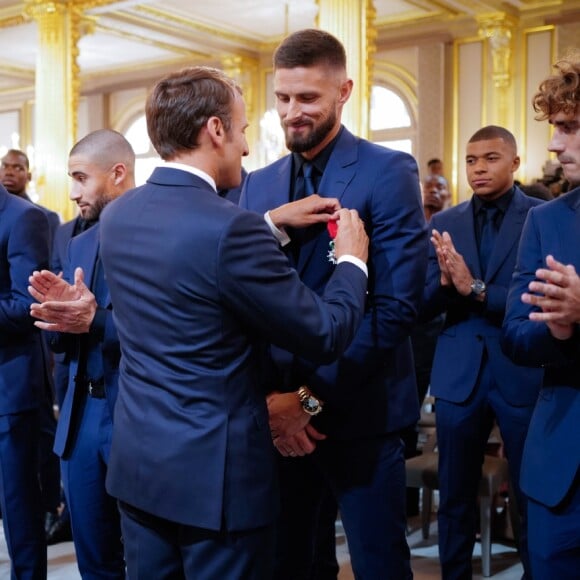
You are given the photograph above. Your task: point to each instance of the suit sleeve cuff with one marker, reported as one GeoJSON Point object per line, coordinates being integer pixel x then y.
{"type": "Point", "coordinates": [355, 261]}
{"type": "Point", "coordinates": [279, 233]}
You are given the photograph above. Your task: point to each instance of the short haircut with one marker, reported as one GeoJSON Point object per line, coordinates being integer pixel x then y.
{"type": "Point", "coordinates": [106, 147]}
{"type": "Point", "coordinates": [310, 47]}
{"type": "Point", "coordinates": [181, 104]}
{"type": "Point", "coordinates": [433, 177]}
{"type": "Point", "coordinates": [433, 161]}
{"type": "Point", "coordinates": [495, 132]}
{"type": "Point", "coordinates": [20, 154]}
{"type": "Point", "coordinates": [561, 91]}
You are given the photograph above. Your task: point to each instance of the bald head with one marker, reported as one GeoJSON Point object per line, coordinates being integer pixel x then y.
{"type": "Point", "coordinates": [102, 167]}
{"type": "Point", "coordinates": [105, 148]}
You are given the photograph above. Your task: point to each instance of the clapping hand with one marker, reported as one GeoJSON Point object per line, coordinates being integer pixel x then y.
{"type": "Point", "coordinates": [557, 293]}
{"type": "Point", "coordinates": [61, 307]}
{"type": "Point", "coordinates": [454, 270]}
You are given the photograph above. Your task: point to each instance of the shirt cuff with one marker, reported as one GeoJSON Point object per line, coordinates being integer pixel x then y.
{"type": "Point", "coordinates": [279, 233]}
{"type": "Point", "coordinates": [355, 261]}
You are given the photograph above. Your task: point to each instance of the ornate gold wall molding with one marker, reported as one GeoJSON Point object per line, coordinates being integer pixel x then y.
{"type": "Point", "coordinates": [57, 96]}
{"type": "Point", "coordinates": [246, 72]}
{"type": "Point", "coordinates": [497, 31]}
{"type": "Point", "coordinates": [351, 21]}
{"type": "Point", "coordinates": [497, 28]}
{"type": "Point", "coordinates": [186, 23]}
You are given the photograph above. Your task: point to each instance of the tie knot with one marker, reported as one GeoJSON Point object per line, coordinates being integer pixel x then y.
{"type": "Point", "coordinates": [489, 209]}
{"type": "Point", "coordinates": [309, 173]}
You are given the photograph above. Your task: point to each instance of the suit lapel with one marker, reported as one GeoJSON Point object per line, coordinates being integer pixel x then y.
{"type": "Point", "coordinates": [87, 250]}
{"type": "Point", "coordinates": [568, 230]}
{"type": "Point", "coordinates": [464, 238]}
{"type": "Point", "coordinates": [339, 172]}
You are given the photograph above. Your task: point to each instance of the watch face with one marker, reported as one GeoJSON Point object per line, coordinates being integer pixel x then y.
{"type": "Point", "coordinates": [478, 287]}
{"type": "Point", "coordinates": [311, 405]}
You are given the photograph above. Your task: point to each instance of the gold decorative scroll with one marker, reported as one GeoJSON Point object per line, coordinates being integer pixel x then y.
{"type": "Point", "coordinates": [57, 96]}
{"type": "Point", "coordinates": [351, 21]}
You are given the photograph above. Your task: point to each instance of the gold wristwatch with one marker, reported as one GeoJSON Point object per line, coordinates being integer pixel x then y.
{"type": "Point", "coordinates": [310, 403]}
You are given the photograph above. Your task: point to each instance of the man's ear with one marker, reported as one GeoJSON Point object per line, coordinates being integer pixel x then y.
{"type": "Point", "coordinates": [345, 91]}
{"type": "Point", "coordinates": [215, 130]}
{"type": "Point", "coordinates": [119, 172]}
{"type": "Point", "coordinates": [516, 163]}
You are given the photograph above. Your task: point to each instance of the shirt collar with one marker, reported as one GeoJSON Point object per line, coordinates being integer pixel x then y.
{"type": "Point", "coordinates": [502, 203]}
{"type": "Point", "coordinates": [190, 169]}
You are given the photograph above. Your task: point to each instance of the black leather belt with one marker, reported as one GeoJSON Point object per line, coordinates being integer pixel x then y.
{"type": "Point", "coordinates": [95, 388]}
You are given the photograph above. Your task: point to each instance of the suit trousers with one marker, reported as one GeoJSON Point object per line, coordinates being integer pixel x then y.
{"type": "Point", "coordinates": [462, 433]}
{"type": "Point", "coordinates": [367, 478]}
{"type": "Point", "coordinates": [554, 537]}
{"type": "Point", "coordinates": [165, 550]}
{"type": "Point", "coordinates": [305, 530]}
{"type": "Point", "coordinates": [94, 515]}
{"type": "Point", "coordinates": [20, 496]}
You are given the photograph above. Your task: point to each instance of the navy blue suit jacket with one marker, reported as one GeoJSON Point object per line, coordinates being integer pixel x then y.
{"type": "Point", "coordinates": [552, 454]}
{"type": "Point", "coordinates": [371, 389]}
{"type": "Point", "coordinates": [469, 329]}
{"type": "Point", "coordinates": [24, 234]}
{"type": "Point", "coordinates": [62, 237]}
{"type": "Point", "coordinates": [83, 252]}
{"type": "Point", "coordinates": [59, 262]}
{"type": "Point", "coordinates": [197, 283]}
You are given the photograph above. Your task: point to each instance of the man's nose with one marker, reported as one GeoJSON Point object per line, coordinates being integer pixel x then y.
{"type": "Point", "coordinates": [294, 110]}
{"type": "Point", "coordinates": [556, 144]}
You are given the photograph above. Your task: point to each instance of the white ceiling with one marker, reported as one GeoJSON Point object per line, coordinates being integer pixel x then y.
{"type": "Point", "coordinates": [134, 36]}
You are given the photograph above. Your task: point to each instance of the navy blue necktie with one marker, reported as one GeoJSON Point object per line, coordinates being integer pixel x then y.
{"type": "Point", "coordinates": [305, 181]}
{"type": "Point", "coordinates": [488, 235]}
{"type": "Point", "coordinates": [309, 186]}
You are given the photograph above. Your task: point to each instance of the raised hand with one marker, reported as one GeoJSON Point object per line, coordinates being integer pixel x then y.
{"type": "Point", "coordinates": [305, 212]}
{"type": "Point", "coordinates": [557, 293]}
{"type": "Point", "coordinates": [45, 286]}
{"type": "Point", "coordinates": [71, 309]}
{"type": "Point", "coordinates": [454, 270]}
{"type": "Point", "coordinates": [351, 237]}
{"type": "Point", "coordinates": [440, 251]}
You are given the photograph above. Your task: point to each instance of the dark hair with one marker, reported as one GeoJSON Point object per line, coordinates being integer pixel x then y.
{"type": "Point", "coordinates": [20, 154]}
{"type": "Point", "coordinates": [310, 47]}
{"type": "Point", "coordinates": [494, 132]}
{"type": "Point", "coordinates": [560, 92]}
{"type": "Point", "coordinates": [433, 161]}
{"type": "Point", "coordinates": [181, 104]}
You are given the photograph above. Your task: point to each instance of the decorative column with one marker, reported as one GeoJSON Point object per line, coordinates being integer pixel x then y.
{"type": "Point", "coordinates": [244, 70]}
{"type": "Point", "coordinates": [57, 96]}
{"type": "Point", "coordinates": [351, 21]}
{"type": "Point", "coordinates": [496, 29]}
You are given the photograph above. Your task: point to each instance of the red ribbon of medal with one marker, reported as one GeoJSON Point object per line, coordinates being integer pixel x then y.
{"type": "Point", "coordinates": [332, 227]}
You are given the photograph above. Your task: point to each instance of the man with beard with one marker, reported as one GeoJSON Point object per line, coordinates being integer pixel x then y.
{"type": "Point", "coordinates": [337, 426]}
{"type": "Point", "coordinates": [541, 328]}
{"type": "Point", "coordinates": [80, 315]}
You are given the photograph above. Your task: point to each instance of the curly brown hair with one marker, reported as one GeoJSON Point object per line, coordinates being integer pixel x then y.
{"type": "Point", "coordinates": [561, 91]}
